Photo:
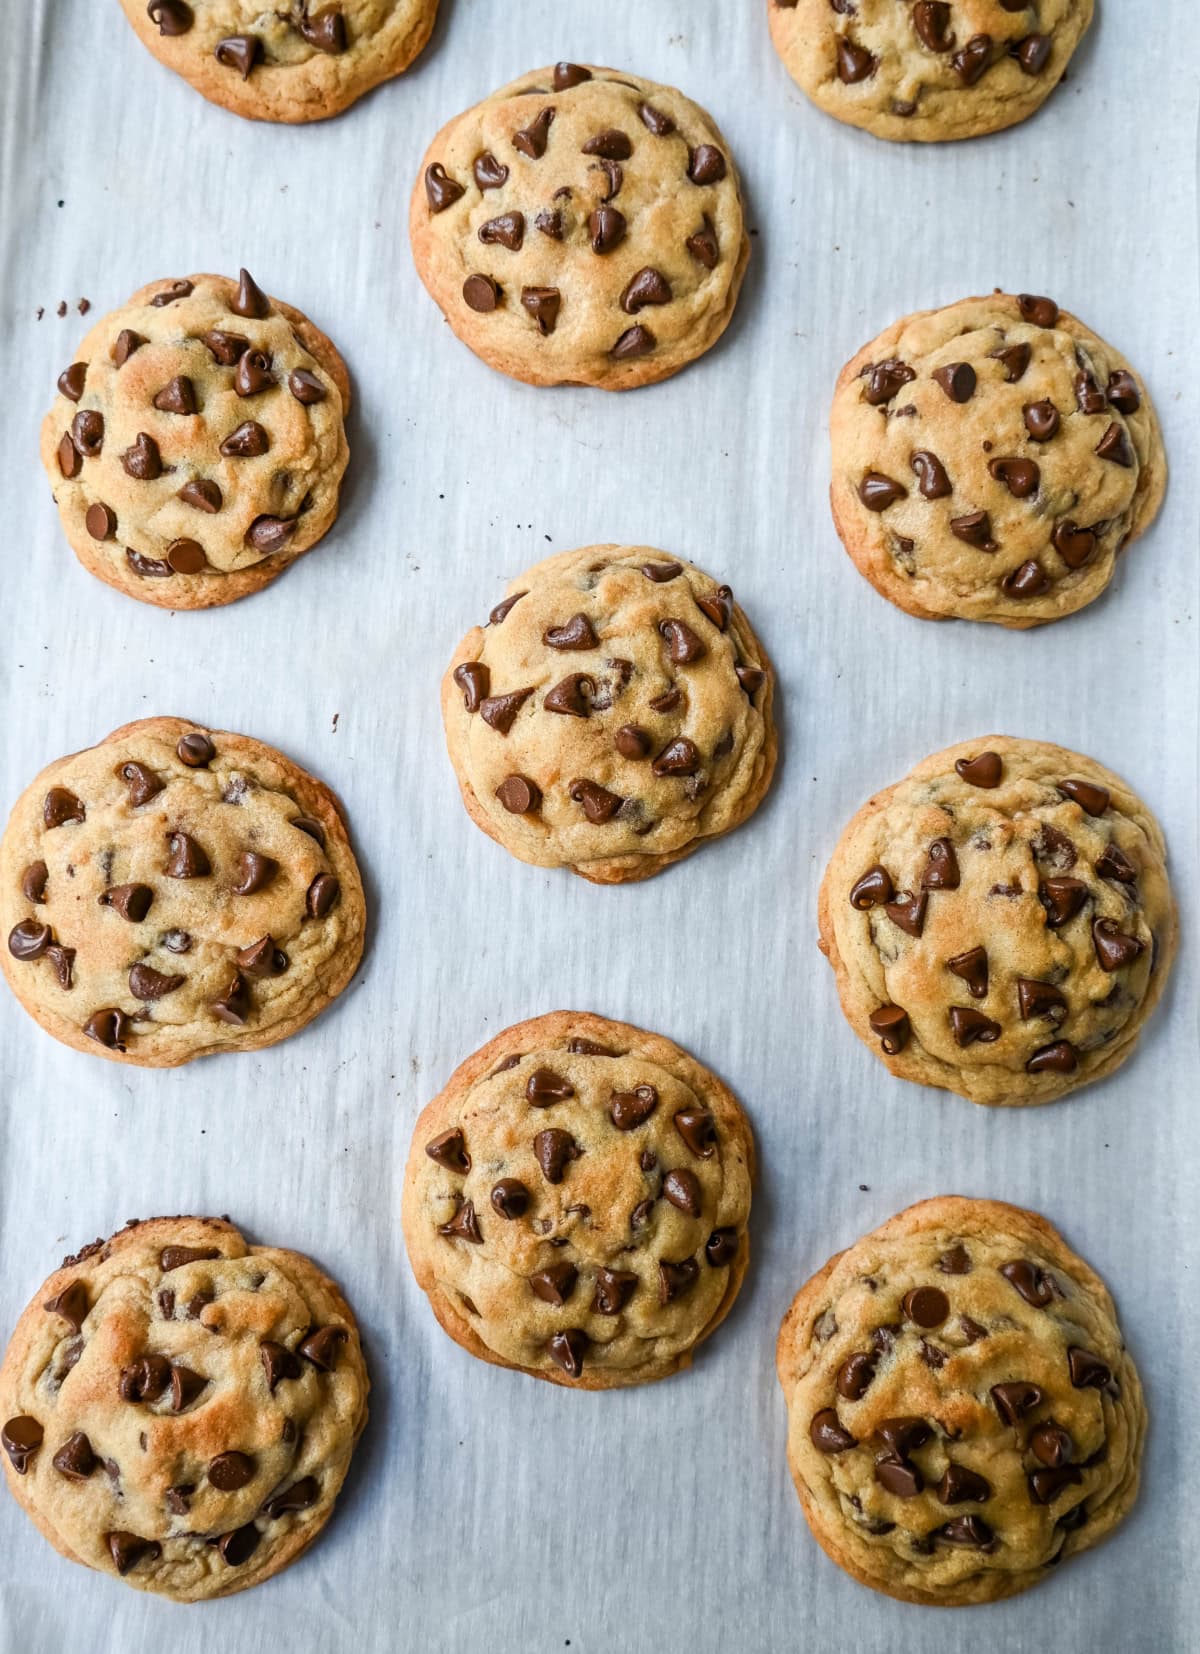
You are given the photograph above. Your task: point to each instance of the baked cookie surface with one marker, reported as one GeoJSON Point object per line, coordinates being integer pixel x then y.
{"type": "Point", "coordinates": [1000, 921]}
{"type": "Point", "coordinates": [176, 891]}
{"type": "Point", "coordinates": [991, 459]}
{"type": "Point", "coordinates": [179, 1408]}
{"type": "Point", "coordinates": [197, 442]}
{"type": "Point", "coordinates": [582, 226]}
{"type": "Point", "coordinates": [963, 1414]}
{"type": "Point", "coordinates": [928, 70]}
{"type": "Point", "coordinates": [300, 60]}
{"type": "Point", "coordinates": [576, 1201]}
{"type": "Point", "coordinates": [615, 713]}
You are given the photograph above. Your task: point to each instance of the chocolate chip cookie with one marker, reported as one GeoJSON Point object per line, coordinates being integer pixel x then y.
{"type": "Point", "coordinates": [179, 1408]}
{"type": "Point", "coordinates": [582, 226]}
{"type": "Point", "coordinates": [196, 444]}
{"type": "Point", "coordinates": [1000, 922]}
{"type": "Point", "coordinates": [991, 459]}
{"type": "Point", "coordinates": [176, 891]}
{"type": "Point", "coordinates": [928, 70]}
{"type": "Point", "coordinates": [962, 1411]}
{"type": "Point", "coordinates": [576, 1201]}
{"type": "Point", "coordinates": [296, 60]}
{"type": "Point", "coordinates": [613, 714]}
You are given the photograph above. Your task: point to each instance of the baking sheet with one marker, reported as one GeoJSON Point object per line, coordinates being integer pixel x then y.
{"type": "Point", "coordinates": [484, 1510]}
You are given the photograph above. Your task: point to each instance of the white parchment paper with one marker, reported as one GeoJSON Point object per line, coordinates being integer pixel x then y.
{"type": "Point", "coordinates": [485, 1511]}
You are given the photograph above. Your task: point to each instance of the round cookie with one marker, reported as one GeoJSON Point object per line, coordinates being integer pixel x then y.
{"type": "Point", "coordinates": [991, 459]}
{"type": "Point", "coordinates": [176, 891]}
{"type": "Point", "coordinates": [962, 1411]}
{"type": "Point", "coordinates": [1000, 921]}
{"type": "Point", "coordinates": [576, 1201]}
{"type": "Point", "coordinates": [614, 714]}
{"type": "Point", "coordinates": [582, 226]}
{"type": "Point", "coordinates": [196, 444]}
{"type": "Point", "coordinates": [928, 70]}
{"type": "Point", "coordinates": [299, 61]}
{"type": "Point", "coordinates": [179, 1408]}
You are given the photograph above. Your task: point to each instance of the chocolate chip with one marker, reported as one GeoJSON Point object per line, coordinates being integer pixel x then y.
{"type": "Point", "coordinates": [555, 1284]}
{"type": "Point", "coordinates": [61, 806]}
{"type": "Point", "coordinates": [683, 646]}
{"type": "Point", "coordinates": [519, 795]}
{"type": "Point", "coordinates": [100, 521]}
{"type": "Point", "coordinates": [1042, 419]}
{"type": "Point", "coordinates": [490, 173]}
{"type": "Point", "coordinates": [1115, 864]}
{"type": "Point", "coordinates": [21, 1437]}
{"type": "Point", "coordinates": [441, 191]}
{"type": "Point", "coordinates": [128, 1549]}
{"type": "Point", "coordinates": [195, 750]}
{"type": "Point", "coordinates": [648, 286]}
{"type": "Point", "coordinates": [263, 958]}
{"type": "Point", "coordinates": [1114, 948]}
{"type": "Point", "coordinates": [676, 1280]}
{"type": "Point", "coordinates": [554, 1150]}
{"type": "Point", "coordinates": [299, 1496]}
{"type": "Point", "coordinates": [680, 757]}
{"type": "Point", "coordinates": [322, 895]}
{"type": "Point", "coordinates": [75, 1459]}
{"type": "Point", "coordinates": [957, 379]}
{"type": "Point", "coordinates": [872, 889]}
{"type": "Point", "coordinates": [249, 300]}
{"type": "Point", "coordinates": [972, 1531]}
{"type": "Point", "coordinates": [682, 1189]}
{"type": "Point", "coordinates": [854, 62]}
{"type": "Point", "coordinates": [29, 940]}
{"type": "Point", "coordinates": [248, 441]}
{"type": "Point", "coordinates": [1041, 312]}
{"type": "Point", "coordinates": [1019, 476]}
{"type": "Point", "coordinates": [827, 1434]}
{"type": "Point", "coordinates": [1089, 398]}
{"type": "Point", "coordinates": [1062, 899]}
{"type": "Point", "coordinates": [532, 139]}
{"type": "Point", "coordinates": [145, 1379]}
{"type": "Point", "coordinates": [1037, 999]}
{"type": "Point", "coordinates": [226, 349]}
{"type": "Point", "coordinates": [1029, 580]}
{"type": "Point", "coordinates": [606, 229]}
{"type": "Point", "coordinates": [892, 1026]}
{"type": "Point", "coordinates": [71, 380]}
{"type": "Point", "coordinates": [543, 304]}
{"type": "Point", "coordinates": [177, 1257]}
{"type": "Point", "coordinates": [928, 1306]}
{"type": "Point", "coordinates": [629, 1109]}
{"type": "Point", "coordinates": [632, 743]}
{"type": "Point", "coordinates": [177, 1498]}
{"type": "Point", "coordinates": [481, 293]}
{"type": "Point", "coordinates": [1090, 797]}
{"type": "Point", "coordinates": [186, 859]}
{"type": "Point", "coordinates": [127, 342]}
{"type": "Point", "coordinates": [655, 120]}
{"type": "Point", "coordinates": [230, 1471]}
{"type": "Point", "coordinates": [510, 1197]}
{"type": "Point", "coordinates": [942, 867]}
{"type": "Point", "coordinates": [635, 341]}
{"type": "Point", "coordinates": [668, 701]}
{"type": "Point", "coordinates": [721, 1248]}
{"type": "Point", "coordinates": [1122, 392]}
{"type": "Point", "coordinates": [500, 711]}
{"type": "Point", "coordinates": [702, 244]}
{"type": "Point", "coordinates": [240, 1545]}
{"type": "Point", "coordinates": [33, 882]}
{"type": "Point", "coordinates": [567, 1350]}
{"type": "Point", "coordinates": [969, 1026]}
{"type": "Point", "coordinates": [599, 805]}
{"type": "Point", "coordinates": [698, 1128]}
{"type": "Point", "coordinates": [955, 1262]}
{"type": "Point", "coordinates": [240, 52]}
{"type": "Point", "coordinates": [884, 379]}
{"type": "Point", "coordinates": [70, 460]}
{"type": "Point", "coordinates": [174, 291]}
{"type": "Point", "coordinates": [252, 375]}
{"type": "Point", "coordinates": [1033, 53]}
{"type": "Point", "coordinates": [931, 477]}
{"type": "Point", "coordinates": [877, 492]}
{"type": "Point", "coordinates": [975, 529]}
{"type": "Point", "coordinates": [146, 983]}
{"type": "Point", "coordinates": [174, 17]}
{"type": "Point", "coordinates": [131, 901]}
{"type": "Point", "coordinates": [325, 30]}
{"type": "Point", "coordinates": [254, 873]}
{"type": "Point", "coordinates": [278, 1363]}
{"type": "Point", "coordinates": [544, 1088]}
{"type": "Point", "coordinates": [1051, 1444]}
{"type": "Point", "coordinates": [1073, 544]}
{"type": "Point", "coordinates": [309, 825]}
{"type": "Point", "coordinates": [931, 20]}
{"type": "Point", "coordinates": [901, 1479]}
{"type": "Point", "coordinates": [87, 432]}
{"type": "Point", "coordinates": [1059, 1058]}
{"type": "Point", "coordinates": [903, 1435]}
{"type": "Point", "coordinates": [972, 968]}
{"type": "Point", "coordinates": [854, 1376]}
{"type": "Point", "coordinates": [1088, 1372]}
{"type": "Point", "coordinates": [234, 1005]}
{"type": "Point", "coordinates": [1046, 1485]}
{"type": "Point", "coordinates": [908, 911]}
{"type": "Point", "coordinates": [185, 1387]}
{"type": "Point", "coordinates": [108, 1027]}
{"type": "Point", "coordinates": [614, 1288]}
{"type": "Point", "coordinates": [612, 144]}
{"type": "Point", "coordinates": [474, 679]}
{"type": "Point", "coordinates": [571, 695]}
{"type": "Point", "coordinates": [178, 396]}
{"type": "Point", "coordinates": [143, 461]}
